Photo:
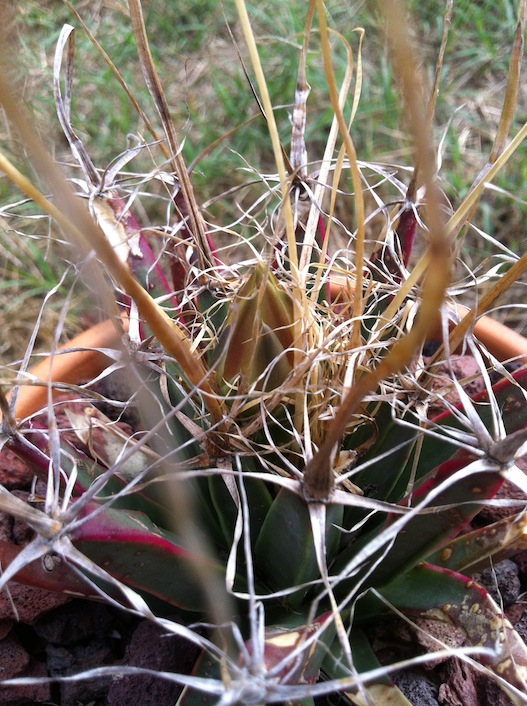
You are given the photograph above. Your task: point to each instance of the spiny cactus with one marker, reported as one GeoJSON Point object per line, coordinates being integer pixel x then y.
{"type": "Point", "coordinates": [286, 483]}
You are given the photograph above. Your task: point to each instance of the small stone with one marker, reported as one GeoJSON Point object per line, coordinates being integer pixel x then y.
{"type": "Point", "coordinates": [514, 612]}
{"type": "Point", "coordinates": [521, 562]}
{"type": "Point", "coordinates": [434, 635]}
{"type": "Point", "coordinates": [492, 695]}
{"type": "Point", "coordinates": [59, 659]}
{"type": "Point", "coordinates": [6, 527]}
{"type": "Point", "coordinates": [62, 661]}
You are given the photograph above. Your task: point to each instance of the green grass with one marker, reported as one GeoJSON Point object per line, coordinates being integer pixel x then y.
{"type": "Point", "coordinates": [209, 94]}
{"type": "Point", "coordinates": [208, 91]}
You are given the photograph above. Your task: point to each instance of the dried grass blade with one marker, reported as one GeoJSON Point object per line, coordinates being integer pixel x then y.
{"type": "Point", "coordinates": [485, 303]}
{"type": "Point", "coordinates": [66, 43]}
{"type": "Point", "coordinates": [298, 143]}
{"type": "Point", "coordinates": [513, 85]}
{"type": "Point", "coordinates": [452, 227]}
{"type": "Point", "coordinates": [212, 146]}
{"type": "Point", "coordinates": [508, 107]}
{"type": "Point", "coordinates": [153, 83]}
{"type": "Point", "coordinates": [355, 172]}
{"type": "Point", "coordinates": [76, 222]}
{"type": "Point", "coordinates": [322, 182]}
{"type": "Point", "coordinates": [458, 220]}
{"type": "Point", "coordinates": [500, 153]}
{"type": "Point", "coordinates": [273, 133]}
{"type": "Point", "coordinates": [447, 21]}
{"type": "Point", "coordinates": [118, 76]}
{"type": "Point", "coordinates": [506, 281]}
{"type": "Point", "coordinates": [253, 90]}
{"type": "Point", "coordinates": [318, 473]}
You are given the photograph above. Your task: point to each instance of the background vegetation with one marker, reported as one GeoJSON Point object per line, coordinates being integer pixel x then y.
{"type": "Point", "coordinates": [210, 95]}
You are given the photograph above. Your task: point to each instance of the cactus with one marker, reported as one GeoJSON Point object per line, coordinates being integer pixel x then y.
{"type": "Point", "coordinates": [286, 483]}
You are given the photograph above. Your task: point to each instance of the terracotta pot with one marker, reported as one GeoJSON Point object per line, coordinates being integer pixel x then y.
{"type": "Point", "coordinates": [80, 366]}
{"type": "Point", "coordinates": [500, 340]}
{"type": "Point", "coordinates": [73, 368]}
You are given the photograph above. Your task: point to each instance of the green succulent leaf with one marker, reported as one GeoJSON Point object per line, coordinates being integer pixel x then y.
{"type": "Point", "coordinates": [417, 591]}
{"type": "Point", "coordinates": [472, 551]}
{"type": "Point", "coordinates": [389, 448]}
{"type": "Point", "coordinates": [285, 552]}
{"type": "Point", "coordinates": [382, 692]}
{"type": "Point", "coordinates": [454, 508]}
{"type": "Point", "coordinates": [259, 501]}
{"type": "Point", "coordinates": [511, 401]}
{"type": "Point", "coordinates": [134, 550]}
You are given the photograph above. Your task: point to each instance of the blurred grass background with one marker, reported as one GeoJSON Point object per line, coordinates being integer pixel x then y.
{"type": "Point", "coordinates": [209, 95]}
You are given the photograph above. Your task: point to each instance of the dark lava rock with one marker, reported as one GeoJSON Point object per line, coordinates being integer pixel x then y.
{"type": "Point", "coordinates": [459, 684]}
{"type": "Point", "coordinates": [13, 657]}
{"type": "Point", "coordinates": [69, 625]}
{"type": "Point", "coordinates": [29, 602]}
{"type": "Point", "coordinates": [152, 648]}
{"type": "Point", "coordinates": [521, 562]}
{"type": "Point", "coordinates": [502, 582]}
{"type": "Point", "coordinates": [30, 694]}
{"type": "Point", "coordinates": [521, 626]}
{"type": "Point", "coordinates": [63, 662]}
{"type": "Point", "coordinates": [419, 690]}
{"type": "Point", "coordinates": [490, 694]}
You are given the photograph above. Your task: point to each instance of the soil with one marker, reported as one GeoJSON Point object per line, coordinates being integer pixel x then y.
{"type": "Point", "coordinates": [46, 634]}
